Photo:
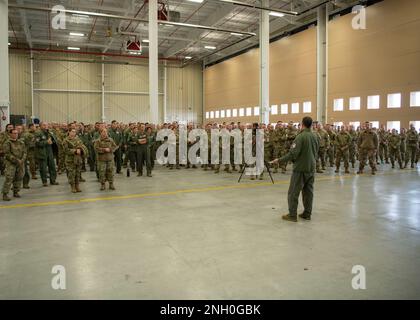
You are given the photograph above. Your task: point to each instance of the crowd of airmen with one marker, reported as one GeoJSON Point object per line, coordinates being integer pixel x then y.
{"type": "Point", "coordinates": [54, 149]}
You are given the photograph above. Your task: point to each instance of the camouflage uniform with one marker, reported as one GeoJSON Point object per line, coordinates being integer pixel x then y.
{"type": "Point", "coordinates": [105, 161]}
{"type": "Point", "coordinates": [73, 161]}
{"type": "Point", "coordinates": [394, 146]}
{"type": "Point", "coordinates": [353, 150]}
{"type": "Point", "coordinates": [403, 146]}
{"type": "Point", "coordinates": [412, 146]}
{"type": "Point", "coordinates": [14, 151]}
{"type": "Point", "coordinates": [368, 144]}
{"type": "Point", "coordinates": [383, 145]}
{"type": "Point", "coordinates": [324, 143]}
{"type": "Point", "coordinates": [86, 138]}
{"type": "Point", "coordinates": [342, 143]}
{"type": "Point", "coordinates": [4, 136]}
{"type": "Point", "coordinates": [331, 149]}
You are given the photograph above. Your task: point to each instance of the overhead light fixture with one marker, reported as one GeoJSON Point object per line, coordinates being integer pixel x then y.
{"type": "Point", "coordinates": [9, 44]}
{"type": "Point", "coordinates": [80, 15]}
{"type": "Point", "coordinates": [210, 47]}
{"type": "Point", "coordinates": [134, 53]}
{"type": "Point", "coordinates": [73, 48]}
{"type": "Point", "coordinates": [145, 41]}
{"type": "Point", "coordinates": [197, 1]}
{"type": "Point", "coordinates": [77, 34]}
{"type": "Point", "coordinates": [188, 58]}
{"type": "Point", "coordinates": [236, 34]}
{"type": "Point", "coordinates": [276, 14]}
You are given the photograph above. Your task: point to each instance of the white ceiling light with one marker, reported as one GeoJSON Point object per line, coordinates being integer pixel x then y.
{"type": "Point", "coordinates": [80, 15]}
{"type": "Point", "coordinates": [197, 1]}
{"type": "Point", "coordinates": [9, 44]}
{"type": "Point", "coordinates": [210, 47]}
{"type": "Point", "coordinates": [188, 58]}
{"type": "Point", "coordinates": [77, 34]}
{"type": "Point", "coordinates": [73, 48]}
{"type": "Point", "coordinates": [276, 14]}
{"type": "Point", "coordinates": [146, 41]}
{"type": "Point", "coordinates": [236, 34]}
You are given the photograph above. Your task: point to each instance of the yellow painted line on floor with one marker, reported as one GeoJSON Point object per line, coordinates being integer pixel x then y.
{"type": "Point", "coordinates": [165, 193]}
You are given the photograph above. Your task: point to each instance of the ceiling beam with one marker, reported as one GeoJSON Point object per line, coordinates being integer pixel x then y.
{"type": "Point", "coordinates": [219, 14]}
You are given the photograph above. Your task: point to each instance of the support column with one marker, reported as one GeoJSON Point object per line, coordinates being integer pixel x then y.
{"type": "Point", "coordinates": [322, 64]}
{"type": "Point", "coordinates": [103, 117]}
{"type": "Point", "coordinates": [4, 65]}
{"type": "Point", "coordinates": [32, 88]}
{"type": "Point", "coordinates": [265, 63]}
{"type": "Point", "coordinates": [165, 91]}
{"type": "Point", "coordinates": [153, 62]}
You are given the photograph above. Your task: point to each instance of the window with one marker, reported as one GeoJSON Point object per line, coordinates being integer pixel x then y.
{"type": "Point", "coordinates": [222, 113]}
{"type": "Point", "coordinates": [393, 125]}
{"type": "Point", "coordinates": [217, 114]}
{"type": "Point", "coordinates": [416, 124]}
{"type": "Point", "coordinates": [373, 102]}
{"type": "Point", "coordinates": [274, 109]}
{"type": "Point", "coordinates": [354, 103]}
{"type": "Point", "coordinates": [307, 107]}
{"type": "Point", "coordinates": [415, 99]}
{"type": "Point", "coordinates": [248, 111]}
{"type": "Point", "coordinates": [211, 114]}
{"type": "Point", "coordinates": [234, 112]}
{"type": "Point", "coordinates": [284, 108]}
{"type": "Point", "coordinates": [394, 100]}
{"type": "Point", "coordinates": [355, 124]}
{"type": "Point", "coordinates": [256, 111]}
{"type": "Point", "coordinates": [338, 124]}
{"type": "Point", "coordinates": [295, 107]}
{"type": "Point", "coordinates": [338, 104]}
{"type": "Point", "coordinates": [228, 113]}
{"type": "Point", "coordinates": [207, 114]}
{"type": "Point", "coordinates": [374, 124]}
{"type": "Point", "coordinates": [241, 112]}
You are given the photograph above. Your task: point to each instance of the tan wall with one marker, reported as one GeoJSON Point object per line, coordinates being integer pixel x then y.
{"type": "Point", "coordinates": [235, 83]}
{"type": "Point", "coordinates": [383, 59]}
{"type": "Point", "coordinates": [184, 91]}
{"type": "Point", "coordinates": [20, 84]}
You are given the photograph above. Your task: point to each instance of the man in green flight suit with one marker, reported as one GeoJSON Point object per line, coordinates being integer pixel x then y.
{"type": "Point", "coordinates": [44, 154]}
{"type": "Point", "coordinates": [303, 153]}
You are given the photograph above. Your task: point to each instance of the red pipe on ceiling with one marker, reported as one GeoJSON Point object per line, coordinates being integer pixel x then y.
{"type": "Point", "coordinates": [92, 53]}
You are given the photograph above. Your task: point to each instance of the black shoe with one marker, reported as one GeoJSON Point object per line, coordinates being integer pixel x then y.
{"type": "Point", "coordinates": [16, 195]}
{"type": "Point", "coordinates": [304, 216]}
{"type": "Point", "coordinates": [26, 186]}
{"type": "Point", "coordinates": [54, 183]}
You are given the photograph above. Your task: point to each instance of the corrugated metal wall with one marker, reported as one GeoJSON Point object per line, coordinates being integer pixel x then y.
{"type": "Point", "coordinates": [71, 90]}
{"type": "Point", "coordinates": [67, 91]}
{"type": "Point", "coordinates": [185, 94]}
{"type": "Point", "coordinates": [20, 84]}
{"type": "Point", "coordinates": [131, 103]}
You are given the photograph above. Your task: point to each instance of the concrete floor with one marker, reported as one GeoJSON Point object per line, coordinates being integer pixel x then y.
{"type": "Point", "coordinates": [197, 235]}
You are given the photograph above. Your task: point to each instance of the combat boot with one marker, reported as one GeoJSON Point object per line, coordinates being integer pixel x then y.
{"type": "Point", "coordinates": [149, 174]}
{"type": "Point", "coordinates": [16, 194]}
{"type": "Point", "coordinates": [373, 172]}
{"type": "Point", "coordinates": [77, 188]}
{"type": "Point", "coordinates": [45, 184]}
{"type": "Point", "coordinates": [102, 186]}
{"type": "Point", "coordinates": [288, 217]}
{"type": "Point", "coordinates": [234, 168]}
{"type": "Point", "coordinates": [34, 177]}
{"type": "Point", "coordinates": [54, 183]}
{"type": "Point", "coordinates": [26, 186]}
{"type": "Point", "coordinates": [111, 186]}
{"type": "Point", "coordinates": [139, 174]}
{"type": "Point", "coordinates": [412, 165]}
{"type": "Point", "coordinates": [5, 197]}
{"type": "Point", "coordinates": [194, 166]}
{"type": "Point", "coordinates": [347, 170]}
{"type": "Point", "coordinates": [82, 180]}
{"type": "Point", "coordinates": [73, 188]}
{"type": "Point", "coordinates": [319, 171]}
